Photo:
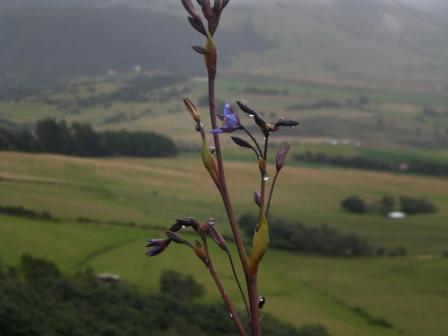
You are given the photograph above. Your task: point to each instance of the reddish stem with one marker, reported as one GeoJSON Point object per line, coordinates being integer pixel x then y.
{"type": "Point", "coordinates": [232, 313]}
{"type": "Point", "coordinates": [251, 280]}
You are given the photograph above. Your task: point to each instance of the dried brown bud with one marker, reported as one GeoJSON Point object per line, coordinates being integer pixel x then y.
{"type": "Point", "coordinates": [281, 156]}
{"type": "Point", "coordinates": [191, 107]}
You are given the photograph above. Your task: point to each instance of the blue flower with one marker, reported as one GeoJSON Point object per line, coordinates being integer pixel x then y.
{"type": "Point", "coordinates": [230, 120]}
{"type": "Point", "coordinates": [157, 246]}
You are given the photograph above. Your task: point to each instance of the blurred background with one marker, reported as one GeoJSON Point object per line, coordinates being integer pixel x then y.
{"type": "Point", "coordinates": [97, 154]}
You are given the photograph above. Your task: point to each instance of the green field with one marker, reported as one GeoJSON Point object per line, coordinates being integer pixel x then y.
{"type": "Point", "coordinates": [299, 289]}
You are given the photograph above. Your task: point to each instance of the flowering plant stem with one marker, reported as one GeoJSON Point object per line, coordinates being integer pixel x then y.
{"type": "Point", "coordinates": [251, 279]}
{"type": "Point", "coordinates": [215, 167]}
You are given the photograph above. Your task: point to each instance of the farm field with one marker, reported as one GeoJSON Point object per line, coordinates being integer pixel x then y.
{"type": "Point", "coordinates": [299, 289]}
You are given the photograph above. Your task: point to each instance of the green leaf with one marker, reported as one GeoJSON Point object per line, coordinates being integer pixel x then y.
{"type": "Point", "coordinates": [260, 243]}
{"type": "Point", "coordinates": [210, 163]}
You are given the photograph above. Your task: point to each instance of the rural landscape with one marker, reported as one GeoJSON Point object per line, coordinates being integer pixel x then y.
{"type": "Point", "coordinates": [98, 154]}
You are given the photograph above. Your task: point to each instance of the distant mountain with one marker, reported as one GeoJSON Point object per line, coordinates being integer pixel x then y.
{"type": "Point", "coordinates": [50, 43]}
{"type": "Point", "coordinates": [400, 43]}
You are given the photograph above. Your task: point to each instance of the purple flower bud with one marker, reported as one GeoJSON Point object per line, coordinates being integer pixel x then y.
{"type": "Point", "coordinates": [157, 246]}
{"type": "Point", "coordinates": [281, 156]}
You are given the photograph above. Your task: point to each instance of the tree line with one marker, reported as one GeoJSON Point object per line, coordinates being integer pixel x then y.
{"type": "Point", "coordinates": [432, 168]}
{"type": "Point", "coordinates": [37, 299]}
{"type": "Point", "coordinates": [58, 137]}
{"type": "Point", "coordinates": [314, 240]}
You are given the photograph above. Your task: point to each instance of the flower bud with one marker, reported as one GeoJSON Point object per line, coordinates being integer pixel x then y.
{"type": "Point", "coordinates": [217, 237]}
{"type": "Point", "coordinates": [281, 156]}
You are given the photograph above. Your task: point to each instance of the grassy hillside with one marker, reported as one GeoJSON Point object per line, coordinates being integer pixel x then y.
{"type": "Point", "coordinates": [156, 191]}
{"type": "Point", "coordinates": [299, 289]}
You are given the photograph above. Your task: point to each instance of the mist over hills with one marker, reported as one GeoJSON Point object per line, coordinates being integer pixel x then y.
{"type": "Point", "coordinates": [376, 42]}
{"type": "Point", "coordinates": [44, 44]}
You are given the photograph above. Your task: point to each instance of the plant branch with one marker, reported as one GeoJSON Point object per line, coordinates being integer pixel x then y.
{"type": "Point", "coordinates": [260, 153]}
{"type": "Point", "coordinates": [235, 275]}
{"type": "Point", "coordinates": [232, 312]}
{"type": "Point", "coordinates": [271, 193]}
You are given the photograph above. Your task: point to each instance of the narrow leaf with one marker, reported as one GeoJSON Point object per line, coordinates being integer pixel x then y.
{"type": "Point", "coordinates": [260, 243]}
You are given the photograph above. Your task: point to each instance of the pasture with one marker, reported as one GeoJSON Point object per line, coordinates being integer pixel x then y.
{"type": "Point", "coordinates": [349, 296]}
